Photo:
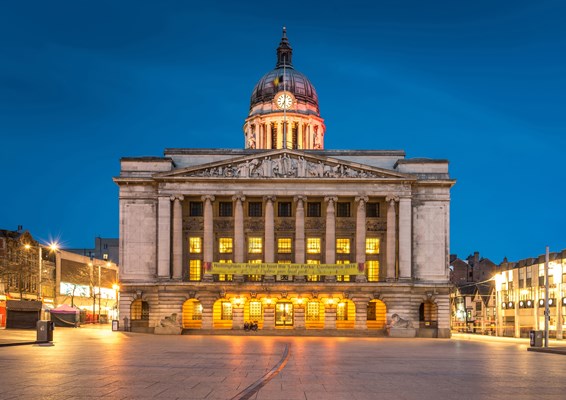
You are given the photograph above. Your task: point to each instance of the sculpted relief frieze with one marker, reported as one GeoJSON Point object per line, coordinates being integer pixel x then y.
{"type": "Point", "coordinates": [284, 166]}
{"type": "Point", "coordinates": [374, 226]}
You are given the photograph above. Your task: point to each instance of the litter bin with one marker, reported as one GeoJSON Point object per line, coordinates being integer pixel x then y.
{"type": "Point", "coordinates": [115, 325]}
{"type": "Point", "coordinates": [45, 331]}
{"type": "Point", "coordinates": [536, 338]}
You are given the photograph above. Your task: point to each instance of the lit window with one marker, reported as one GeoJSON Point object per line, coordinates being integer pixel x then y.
{"type": "Point", "coordinates": [255, 310]}
{"type": "Point", "coordinates": [284, 262]}
{"type": "Point", "coordinates": [225, 245]}
{"type": "Point", "coordinates": [195, 245]}
{"type": "Point", "coordinates": [313, 311]}
{"type": "Point", "coordinates": [225, 209]}
{"type": "Point", "coordinates": [226, 312]}
{"type": "Point", "coordinates": [372, 245]}
{"type": "Point", "coordinates": [255, 245]}
{"type": "Point", "coordinates": [342, 312]}
{"type": "Point", "coordinates": [313, 278]}
{"type": "Point", "coordinates": [225, 277]}
{"type": "Point", "coordinates": [313, 245]}
{"type": "Point", "coordinates": [343, 246]}
{"type": "Point", "coordinates": [105, 257]}
{"type": "Point", "coordinates": [343, 278]}
{"type": "Point", "coordinates": [284, 245]}
{"type": "Point", "coordinates": [256, 261]}
{"type": "Point", "coordinates": [195, 270]}
{"type": "Point", "coordinates": [372, 271]}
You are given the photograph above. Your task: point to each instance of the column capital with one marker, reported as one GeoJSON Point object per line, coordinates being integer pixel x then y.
{"type": "Point", "coordinates": [362, 199]}
{"type": "Point", "coordinates": [391, 197]}
{"type": "Point", "coordinates": [179, 197]}
{"type": "Point", "coordinates": [300, 198]}
{"type": "Point", "coordinates": [269, 198]}
{"type": "Point", "coordinates": [238, 197]}
{"type": "Point", "coordinates": [207, 197]}
{"type": "Point", "coordinates": [331, 199]}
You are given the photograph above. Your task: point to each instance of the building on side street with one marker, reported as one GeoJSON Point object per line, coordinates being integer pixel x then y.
{"type": "Point", "coordinates": [520, 296]}
{"type": "Point", "coordinates": [284, 231]}
{"type": "Point", "coordinates": [104, 249]}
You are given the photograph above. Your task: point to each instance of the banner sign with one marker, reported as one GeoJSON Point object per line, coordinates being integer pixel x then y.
{"type": "Point", "coordinates": [284, 269]}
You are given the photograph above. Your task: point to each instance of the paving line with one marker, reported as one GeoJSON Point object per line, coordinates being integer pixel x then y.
{"type": "Point", "coordinates": [248, 392]}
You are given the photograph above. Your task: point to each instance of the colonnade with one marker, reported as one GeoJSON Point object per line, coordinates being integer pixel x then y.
{"type": "Point", "coordinates": [170, 233]}
{"type": "Point", "coordinates": [310, 133]}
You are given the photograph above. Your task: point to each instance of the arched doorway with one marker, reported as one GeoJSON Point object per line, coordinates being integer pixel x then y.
{"type": "Point", "coordinates": [139, 315]}
{"type": "Point", "coordinates": [222, 314]}
{"type": "Point", "coordinates": [284, 314]}
{"type": "Point", "coordinates": [192, 314]}
{"type": "Point", "coordinates": [345, 314]}
{"type": "Point", "coordinates": [376, 316]}
{"type": "Point", "coordinates": [314, 314]}
{"type": "Point", "coordinates": [428, 319]}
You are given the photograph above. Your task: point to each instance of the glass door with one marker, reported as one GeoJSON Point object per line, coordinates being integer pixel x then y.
{"type": "Point", "coordinates": [284, 314]}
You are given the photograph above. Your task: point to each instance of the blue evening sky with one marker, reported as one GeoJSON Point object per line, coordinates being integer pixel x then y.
{"type": "Point", "coordinates": [481, 83]}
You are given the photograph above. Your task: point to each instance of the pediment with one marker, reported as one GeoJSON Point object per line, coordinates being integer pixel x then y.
{"type": "Point", "coordinates": [284, 164]}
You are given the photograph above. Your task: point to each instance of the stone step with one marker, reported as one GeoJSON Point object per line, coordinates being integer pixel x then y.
{"type": "Point", "coordinates": [286, 332]}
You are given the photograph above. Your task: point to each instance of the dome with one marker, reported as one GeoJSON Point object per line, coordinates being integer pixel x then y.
{"type": "Point", "coordinates": [285, 77]}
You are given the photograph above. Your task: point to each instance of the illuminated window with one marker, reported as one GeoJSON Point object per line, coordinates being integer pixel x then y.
{"type": "Point", "coordinates": [372, 245]}
{"type": "Point", "coordinates": [313, 278]}
{"type": "Point", "coordinates": [195, 245]}
{"type": "Point", "coordinates": [372, 210]}
{"type": "Point", "coordinates": [255, 310]}
{"type": "Point", "coordinates": [225, 277]}
{"type": "Point", "coordinates": [254, 209]}
{"type": "Point", "coordinates": [105, 257]}
{"type": "Point", "coordinates": [225, 245]}
{"type": "Point", "coordinates": [197, 311]}
{"type": "Point", "coordinates": [195, 208]}
{"type": "Point", "coordinates": [313, 209]}
{"type": "Point", "coordinates": [342, 209]}
{"type": "Point", "coordinates": [226, 311]}
{"type": "Point", "coordinates": [313, 311]}
{"type": "Point", "coordinates": [284, 262]}
{"type": "Point", "coordinates": [372, 271]}
{"type": "Point", "coordinates": [195, 270]}
{"type": "Point", "coordinates": [343, 278]}
{"type": "Point", "coordinates": [313, 245]}
{"type": "Point", "coordinates": [255, 245]}
{"type": "Point", "coordinates": [256, 261]}
{"type": "Point", "coordinates": [225, 209]}
{"type": "Point", "coordinates": [284, 245]}
{"type": "Point", "coordinates": [342, 312]}
{"type": "Point", "coordinates": [343, 246]}
{"type": "Point", "coordinates": [284, 209]}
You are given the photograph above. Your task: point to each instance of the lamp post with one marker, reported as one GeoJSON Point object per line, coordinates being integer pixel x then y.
{"type": "Point", "coordinates": [546, 305]}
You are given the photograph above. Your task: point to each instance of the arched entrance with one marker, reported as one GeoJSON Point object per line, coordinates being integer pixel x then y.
{"type": "Point", "coordinates": [222, 314]}
{"type": "Point", "coordinates": [345, 314]}
{"type": "Point", "coordinates": [253, 312]}
{"type": "Point", "coordinates": [284, 314]}
{"type": "Point", "coordinates": [428, 319]}
{"type": "Point", "coordinates": [192, 314]}
{"type": "Point", "coordinates": [376, 316]}
{"type": "Point", "coordinates": [139, 315]}
{"type": "Point", "coordinates": [314, 314]}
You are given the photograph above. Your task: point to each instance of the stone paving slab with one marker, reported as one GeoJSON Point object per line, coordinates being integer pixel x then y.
{"type": "Point", "coordinates": [97, 363]}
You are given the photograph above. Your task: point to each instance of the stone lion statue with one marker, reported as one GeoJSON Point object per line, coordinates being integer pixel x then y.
{"type": "Point", "coordinates": [170, 320]}
{"type": "Point", "coordinates": [398, 322]}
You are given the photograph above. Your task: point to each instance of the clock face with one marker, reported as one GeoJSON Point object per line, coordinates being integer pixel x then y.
{"type": "Point", "coordinates": [284, 101]}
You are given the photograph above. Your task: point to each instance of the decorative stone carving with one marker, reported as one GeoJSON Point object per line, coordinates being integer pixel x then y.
{"type": "Point", "coordinates": [223, 225]}
{"type": "Point", "coordinates": [285, 166]}
{"type": "Point", "coordinates": [345, 224]}
{"type": "Point", "coordinates": [317, 224]}
{"type": "Point", "coordinates": [375, 226]}
{"type": "Point", "coordinates": [195, 224]}
{"type": "Point", "coordinates": [253, 224]}
{"type": "Point", "coordinates": [284, 225]}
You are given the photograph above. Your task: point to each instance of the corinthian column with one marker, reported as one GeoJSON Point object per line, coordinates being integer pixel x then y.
{"type": "Point", "coordinates": [361, 234]}
{"type": "Point", "coordinates": [269, 230]}
{"type": "Point", "coordinates": [177, 237]}
{"type": "Point", "coordinates": [330, 257]}
{"type": "Point", "coordinates": [300, 230]}
{"type": "Point", "coordinates": [391, 236]}
{"type": "Point", "coordinates": [164, 238]}
{"type": "Point", "coordinates": [239, 228]}
{"type": "Point", "coordinates": [405, 234]}
{"type": "Point", "coordinates": [208, 235]}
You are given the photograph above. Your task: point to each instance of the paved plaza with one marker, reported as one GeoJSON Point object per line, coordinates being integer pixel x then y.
{"type": "Point", "coordinates": [92, 363]}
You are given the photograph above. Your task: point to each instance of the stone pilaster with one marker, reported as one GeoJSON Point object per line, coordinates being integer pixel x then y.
{"type": "Point", "coordinates": [391, 239]}
{"type": "Point", "coordinates": [164, 238]}
{"type": "Point", "coordinates": [177, 237]}
{"type": "Point", "coordinates": [361, 234]}
{"type": "Point", "coordinates": [207, 311]}
{"type": "Point", "coordinates": [299, 315]}
{"type": "Point", "coordinates": [330, 230]}
{"type": "Point", "coordinates": [269, 317]}
{"type": "Point", "coordinates": [237, 317]}
{"type": "Point", "coordinates": [269, 248]}
{"type": "Point", "coordinates": [330, 316]}
{"type": "Point", "coordinates": [239, 239]}
{"type": "Point", "coordinates": [405, 237]}
{"type": "Point", "coordinates": [300, 230]}
{"type": "Point", "coordinates": [208, 235]}
{"type": "Point", "coordinates": [361, 303]}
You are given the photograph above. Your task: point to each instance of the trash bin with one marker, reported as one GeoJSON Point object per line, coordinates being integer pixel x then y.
{"type": "Point", "coordinates": [45, 331]}
{"type": "Point", "coordinates": [115, 325]}
{"type": "Point", "coordinates": [536, 338]}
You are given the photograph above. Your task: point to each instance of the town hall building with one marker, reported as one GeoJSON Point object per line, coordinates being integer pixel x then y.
{"type": "Point", "coordinates": [284, 232]}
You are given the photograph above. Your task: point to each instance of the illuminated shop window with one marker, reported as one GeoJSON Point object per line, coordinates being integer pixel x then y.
{"type": "Point", "coordinates": [313, 245]}
{"type": "Point", "coordinates": [372, 245]}
{"type": "Point", "coordinates": [255, 245]}
{"type": "Point", "coordinates": [195, 245]}
{"type": "Point", "coordinates": [226, 311]}
{"type": "Point", "coordinates": [284, 245]}
{"type": "Point", "coordinates": [195, 269]}
{"type": "Point", "coordinates": [372, 270]}
{"type": "Point", "coordinates": [225, 245]}
{"type": "Point", "coordinates": [313, 311]}
{"type": "Point", "coordinates": [343, 246]}
{"type": "Point", "coordinates": [255, 310]}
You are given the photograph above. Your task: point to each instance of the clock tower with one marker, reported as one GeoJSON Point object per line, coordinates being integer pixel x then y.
{"type": "Point", "coordinates": [284, 109]}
